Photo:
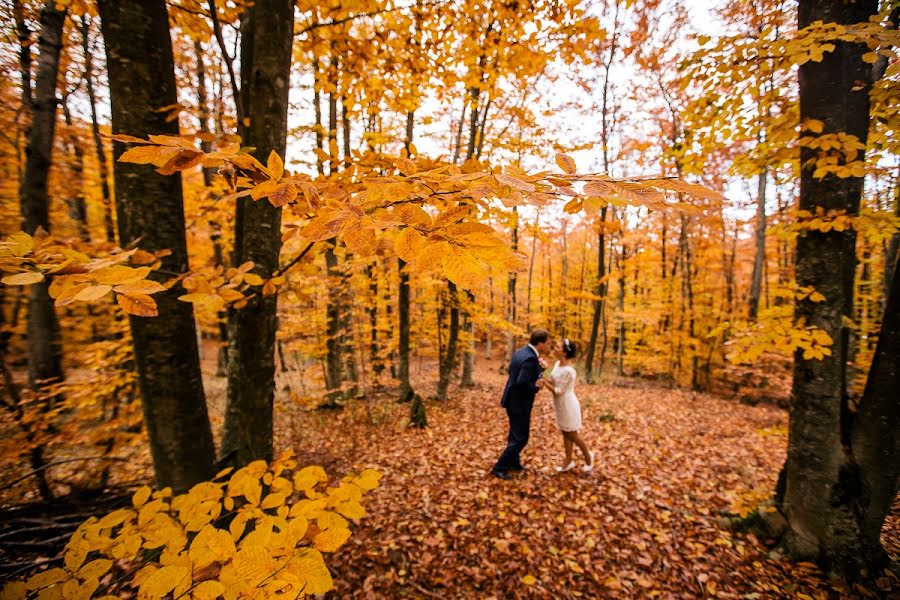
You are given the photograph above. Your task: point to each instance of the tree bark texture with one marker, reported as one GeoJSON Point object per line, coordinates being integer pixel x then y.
{"type": "Point", "coordinates": [149, 207]}
{"type": "Point", "coordinates": [824, 482]}
{"type": "Point", "coordinates": [43, 339]}
{"type": "Point", "coordinates": [599, 301]}
{"type": "Point", "coordinates": [448, 364]}
{"type": "Point", "coordinates": [406, 391]}
{"type": "Point", "coordinates": [266, 36]}
{"type": "Point", "coordinates": [760, 258]}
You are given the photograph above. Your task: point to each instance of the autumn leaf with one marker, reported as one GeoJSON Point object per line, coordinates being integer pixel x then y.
{"type": "Point", "coordinates": [27, 278]}
{"type": "Point", "coordinates": [139, 305]}
{"type": "Point", "coordinates": [566, 164]}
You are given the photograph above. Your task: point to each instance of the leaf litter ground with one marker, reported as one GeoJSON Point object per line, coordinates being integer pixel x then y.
{"type": "Point", "coordinates": [645, 523]}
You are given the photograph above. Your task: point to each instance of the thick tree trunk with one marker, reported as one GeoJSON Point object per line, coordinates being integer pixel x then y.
{"type": "Point", "coordinates": [599, 301]}
{"type": "Point", "coordinates": [760, 258]}
{"type": "Point", "coordinates": [406, 391]}
{"type": "Point", "coordinates": [266, 36]}
{"type": "Point", "coordinates": [149, 206]}
{"type": "Point", "coordinates": [893, 247]}
{"type": "Point", "coordinates": [102, 165]}
{"type": "Point", "coordinates": [448, 363]}
{"type": "Point", "coordinates": [875, 439]}
{"type": "Point", "coordinates": [824, 482]}
{"type": "Point", "coordinates": [43, 339]}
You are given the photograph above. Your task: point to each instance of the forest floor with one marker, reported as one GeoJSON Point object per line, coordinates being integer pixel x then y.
{"type": "Point", "coordinates": [645, 523]}
{"type": "Point", "coordinates": [648, 522]}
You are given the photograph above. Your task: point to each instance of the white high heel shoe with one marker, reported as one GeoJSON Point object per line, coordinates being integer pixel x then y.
{"type": "Point", "coordinates": [568, 467]}
{"type": "Point", "coordinates": [590, 466]}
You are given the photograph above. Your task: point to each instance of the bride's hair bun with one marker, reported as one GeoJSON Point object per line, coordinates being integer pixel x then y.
{"type": "Point", "coordinates": [569, 348]}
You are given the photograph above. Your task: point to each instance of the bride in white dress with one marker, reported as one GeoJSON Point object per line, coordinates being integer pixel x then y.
{"type": "Point", "coordinates": [561, 381]}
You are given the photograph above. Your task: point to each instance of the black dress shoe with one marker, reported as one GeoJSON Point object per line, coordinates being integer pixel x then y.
{"type": "Point", "coordinates": [501, 474]}
{"type": "Point", "coordinates": [519, 468]}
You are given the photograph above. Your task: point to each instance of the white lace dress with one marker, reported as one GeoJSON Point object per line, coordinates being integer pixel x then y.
{"type": "Point", "coordinates": [568, 409]}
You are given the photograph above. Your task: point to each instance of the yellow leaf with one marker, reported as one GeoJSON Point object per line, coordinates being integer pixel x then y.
{"type": "Point", "coordinates": [368, 479]}
{"type": "Point", "coordinates": [144, 286]}
{"type": "Point", "coordinates": [139, 305]}
{"type": "Point", "coordinates": [93, 293]}
{"type": "Point", "coordinates": [208, 590]}
{"type": "Point", "coordinates": [513, 182]}
{"type": "Point", "coordinates": [14, 590]}
{"type": "Point", "coordinates": [149, 155]}
{"type": "Point", "coordinates": [332, 538]}
{"type": "Point", "coordinates": [26, 278]}
{"type": "Point", "coordinates": [275, 165]}
{"type": "Point", "coordinates": [308, 477]}
{"type": "Point", "coordinates": [253, 279]}
{"type": "Point", "coordinates": [211, 545]}
{"type": "Point", "coordinates": [285, 193]}
{"type": "Point", "coordinates": [309, 567]}
{"type": "Point", "coordinates": [45, 578]}
{"type": "Point", "coordinates": [254, 563]}
{"type": "Point", "coordinates": [408, 244]}
{"type": "Point", "coordinates": [120, 274]}
{"type": "Point", "coordinates": [94, 569]}
{"type": "Point", "coordinates": [566, 163]}
{"type": "Point", "coordinates": [529, 580]}
{"type": "Point", "coordinates": [163, 581]}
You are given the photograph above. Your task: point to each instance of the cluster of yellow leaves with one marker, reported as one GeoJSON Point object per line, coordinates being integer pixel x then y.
{"type": "Point", "coordinates": [226, 287]}
{"type": "Point", "coordinates": [836, 153]}
{"type": "Point", "coordinates": [78, 277]}
{"type": "Point", "coordinates": [777, 331]}
{"type": "Point", "coordinates": [430, 207]}
{"type": "Point", "coordinates": [259, 534]}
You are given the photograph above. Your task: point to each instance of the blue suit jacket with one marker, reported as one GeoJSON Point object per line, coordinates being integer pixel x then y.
{"type": "Point", "coordinates": [521, 387]}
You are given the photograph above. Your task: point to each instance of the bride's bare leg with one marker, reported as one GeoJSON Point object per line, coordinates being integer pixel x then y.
{"type": "Point", "coordinates": [576, 439]}
{"type": "Point", "coordinates": [567, 441]}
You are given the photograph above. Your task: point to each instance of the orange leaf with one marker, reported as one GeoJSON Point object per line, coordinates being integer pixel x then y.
{"type": "Point", "coordinates": [139, 305]}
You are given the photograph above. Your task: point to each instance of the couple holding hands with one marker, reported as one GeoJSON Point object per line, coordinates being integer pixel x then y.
{"type": "Point", "coordinates": [525, 381]}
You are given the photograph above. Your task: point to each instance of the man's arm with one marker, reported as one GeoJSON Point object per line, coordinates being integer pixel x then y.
{"type": "Point", "coordinates": [528, 375]}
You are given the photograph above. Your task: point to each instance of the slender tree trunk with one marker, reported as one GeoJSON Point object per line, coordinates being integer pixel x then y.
{"type": "Point", "coordinates": [448, 364]}
{"type": "Point", "coordinates": [102, 164]}
{"type": "Point", "coordinates": [457, 146]}
{"type": "Point", "coordinates": [620, 317]}
{"type": "Point", "coordinates": [599, 301]}
{"type": "Point", "coordinates": [215, 228]}
{"type": "Point", "coordinates": [266, 37]}
{"type": "Point", "coordinates": [317, 106]}
{"type": "Point", "coordinates": [374, 346]}
{"type": "Point", "coordinates": [511, 283]}
{"type": "Point", "coordinates": [149, 206]}
{"type": "Point", "coordinates": [534, 238]}
{"type": "Point", "coordinates": [43, 339]}
{"type": "Point", "coordinates": [410, 125]}
{"type": "Point", "coordinates": [760, 259]}
{"type": "Point", "coordinates": [334, 376]}
{"type": "Point", "coordinates": [467, 380]}
{"type": "Point", "coordinates": [77, 204]}
{"type": "Point", "coordinates": [829, 486]}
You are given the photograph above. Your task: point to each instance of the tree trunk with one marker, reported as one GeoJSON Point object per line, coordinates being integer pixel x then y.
{"type": "Point", "coordinates": [599, 301]}
{"type": "Point", "coordinates": [406, 391]}
{"type": "Point", "coordinates": [760, 259]}
{"type": "Point", "coordinates": [467, 380]}
{"type": "Point", "coordinates": [266, 37]}
{"type": "Point", "coordinates": [448, 363]}
{"type": "Point", "coordinates": [374, 346]}
{"type": "Point", "coordinates": [317, 107]}
{"type": "Point", "coordinates": [511, 289]}
{"type": "Point", "coordinates": [893, 247]}
{"type": "Point", "coordinates": [825, 482]}
{"type": "Point", "coordinates": [102, 165]}
{"type": "Point", "coordinates": [875, 439]}
{"type": "Point", "coordinates": [77, 204]}
{"type": "Point", "coordinates": [149, 206]}
{"type": "Point", "coordinates": [333, 361]}
{"type": "Point", "coordinates": [43, 339]}
{"type": "Point", "coordinates": [620, 317]}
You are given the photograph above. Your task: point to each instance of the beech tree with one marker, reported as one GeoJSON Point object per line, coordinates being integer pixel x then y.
{"type": "Point", "coordinates": [842, 468]}
{"type": "Point", "coordinates": [150, 213]}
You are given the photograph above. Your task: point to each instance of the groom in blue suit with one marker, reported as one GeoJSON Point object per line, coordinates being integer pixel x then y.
{"type": "Point", "coordinates": [518, 399]}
